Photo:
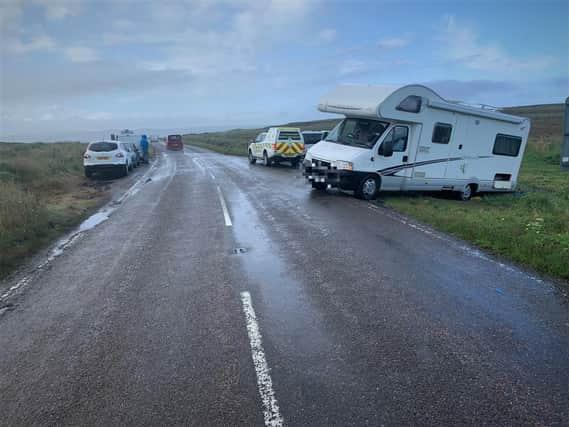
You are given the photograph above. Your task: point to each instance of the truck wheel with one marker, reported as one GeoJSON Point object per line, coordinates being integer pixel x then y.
{"type": "Point", "coordinates": [266, 160]}
{"type": "Point", "coordinates": [319, 185]}
{"type": "Point", "coordinates": [295, 163]}
{"type": "Point", "coordinates": [367, 188]}
{"type": "Point", "coordinates": [252, 159]}
{"type": "Point", "coordinates": [466, 193]}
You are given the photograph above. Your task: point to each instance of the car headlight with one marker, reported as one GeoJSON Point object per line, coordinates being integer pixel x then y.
{"type": "Point", "coordinates": [343, 165]}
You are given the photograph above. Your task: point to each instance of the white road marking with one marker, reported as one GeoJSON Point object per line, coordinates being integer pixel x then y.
{"type": "Point", "coordinates": [224, 207]}
{"type": "Point", "coordinates": [271, 409]}
{"type": "Point", "coordinates": [468, 250]}
{"type": "Point", "coordinates": [211, 174]}
{"type": "Point", "coordinates": [197, 163]}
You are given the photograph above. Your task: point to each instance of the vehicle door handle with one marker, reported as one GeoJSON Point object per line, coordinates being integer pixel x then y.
{"type": "Point", "coordinates": [405, 159]}
{"type": "Point", "coordinates": [460, 147]}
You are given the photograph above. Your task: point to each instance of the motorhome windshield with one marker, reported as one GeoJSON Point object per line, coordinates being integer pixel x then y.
{"type": "Point", "coordinates": [357, 132]}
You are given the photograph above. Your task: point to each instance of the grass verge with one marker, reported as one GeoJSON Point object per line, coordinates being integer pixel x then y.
{"type": "Point", "coordinates": [42, 195]}
{"type": "Point", "coordinates": [530, 227]}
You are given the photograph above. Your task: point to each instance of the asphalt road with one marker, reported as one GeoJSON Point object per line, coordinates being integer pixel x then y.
{"type": "Point", "coordinates": [361, 317]}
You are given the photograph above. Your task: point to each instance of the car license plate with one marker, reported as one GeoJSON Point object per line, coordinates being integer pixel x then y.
{"type": "Point", "coordinates": [103, 158]}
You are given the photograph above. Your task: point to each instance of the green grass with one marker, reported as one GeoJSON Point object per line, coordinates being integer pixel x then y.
{"type": "Point", "coordinates": [43, 194]}
{"type": "Point", "coordinates": [530, 227]}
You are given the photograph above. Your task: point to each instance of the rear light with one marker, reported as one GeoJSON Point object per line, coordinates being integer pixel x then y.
{"type": "Point", "coordinates": [119, 155]}
{"type": "Point", "coordinates": [274, 146]}
{"type": "Point", "coordinates": [86, 156]}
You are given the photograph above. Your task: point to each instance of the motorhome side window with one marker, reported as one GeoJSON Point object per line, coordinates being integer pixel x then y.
{"type": "Point", "coordinates": [441, 133]}
{"type": "Point", "coordinates": [398, 137]}
{"type": "Point", "coordinates": [507, 145]}
{"type": "Point", "coordinates": [411, 104]}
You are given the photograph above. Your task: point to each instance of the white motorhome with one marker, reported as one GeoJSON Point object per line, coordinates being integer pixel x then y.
{"type": "Point", "coordinates": [409, 138]}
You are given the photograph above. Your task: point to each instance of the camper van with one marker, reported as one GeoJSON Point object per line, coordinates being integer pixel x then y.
{"type": "Point", "coordinates": [409, 138]}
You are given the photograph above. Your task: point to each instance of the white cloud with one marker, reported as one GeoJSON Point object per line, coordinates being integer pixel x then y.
{"type": "Point", "coordinates": [393, 43]}
{"type": "Point", "coordinates": [99, 115]}
{"type": "Point", "coordinates": [80, 54]}
{"type": "Point", "coordinates": [327, 35]}
{"type": "Point", "coordinates": [352, 66]}
{"type": "Point", "coordinates": [464, 47]}
{"type": "Point", "coordinates": [10, 15]}
{"type": "Point", "coordinates": [214, 37]}
{"type": "Point", "coordinates": [40, 43]}
{"type": "Point", "coordinates": [57, 10]}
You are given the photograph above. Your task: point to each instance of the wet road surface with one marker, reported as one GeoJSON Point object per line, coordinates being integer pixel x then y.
{"type": "Point", "coordinates": [220, 293]}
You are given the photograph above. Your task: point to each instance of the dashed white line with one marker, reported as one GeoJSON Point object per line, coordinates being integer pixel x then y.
{"type": "Point", "coordinates": [211, 174]}
{"type": "Point", "coordinates": [271, 409]}
{"type": "Point", "coordinates": [226, 216]}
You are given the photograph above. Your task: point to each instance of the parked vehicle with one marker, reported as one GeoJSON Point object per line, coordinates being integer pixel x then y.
{"type": "Point", "coordinates": [409, 138]}
{"type": "Point", "coordinates": [136, 154]}
{"type": "Point", "coordinates": [107, 156]}
{"type": "Point", "coordinates": [312, 137]}
{"type": "Point", "coordinates": [276, 145]}
{"type": "Point", "coordinates": [174, 142]}
{"type": "Point", "coordinates": [131, 140]}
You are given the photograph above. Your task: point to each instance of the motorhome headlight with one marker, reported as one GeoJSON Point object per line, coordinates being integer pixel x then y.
{"type": "Point", "coordinates": [343, 165]}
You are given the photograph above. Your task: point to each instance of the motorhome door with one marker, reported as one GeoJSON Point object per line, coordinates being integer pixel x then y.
{"type": "Point", "coordinates": [395, 168]}
{"type": "Point", "coordinates": [433, 151]}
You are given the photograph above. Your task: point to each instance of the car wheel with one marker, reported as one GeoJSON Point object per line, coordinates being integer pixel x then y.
{"type": "Point", "coordinates": [466, 193]}
{"type": "Point", "coordinates": [266, 160]}
{"type": "Point", "coordinates": [319, 185]}
{"type": "Point", "coordinates": [125, 170]}
{"type": "Point", "coordinates": [252, 159]}
{"type": "Point", "coordinates": [368, 188]}
{"type": "Point", "coordinates": [88, 173]}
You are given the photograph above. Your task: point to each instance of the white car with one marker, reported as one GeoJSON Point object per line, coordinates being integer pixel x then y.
{"type": "Point", "coordinates": [276, 145]}
{"type": "Point", "coordinates": [108, 156]}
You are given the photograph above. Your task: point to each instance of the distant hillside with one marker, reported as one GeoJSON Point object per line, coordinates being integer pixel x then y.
{"type": "Point", "coordinates": [546, 119]}
{"type": "Point", "coordinates": [546, 122]}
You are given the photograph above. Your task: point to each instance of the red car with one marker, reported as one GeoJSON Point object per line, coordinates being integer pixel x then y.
{"type": "Point", "coordinates": [174, 142]}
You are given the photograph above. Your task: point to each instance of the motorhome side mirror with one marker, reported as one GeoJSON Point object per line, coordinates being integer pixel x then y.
{"type": "Point", "coordinates": [387, 148]}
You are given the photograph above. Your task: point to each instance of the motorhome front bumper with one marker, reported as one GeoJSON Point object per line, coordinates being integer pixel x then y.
{"type": "Point", "coordinates": [322, 172]}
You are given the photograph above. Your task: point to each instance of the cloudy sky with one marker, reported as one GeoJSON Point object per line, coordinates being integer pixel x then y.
{"type": "Point", "coordinates": [71, 68]}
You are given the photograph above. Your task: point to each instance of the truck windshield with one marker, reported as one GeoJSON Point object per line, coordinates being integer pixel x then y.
{"type": "Point", "coordinates": [357, 132]}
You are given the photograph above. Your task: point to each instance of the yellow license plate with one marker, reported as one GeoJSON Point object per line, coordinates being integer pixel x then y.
{"type": "Point", "coordinates": [103, 158]}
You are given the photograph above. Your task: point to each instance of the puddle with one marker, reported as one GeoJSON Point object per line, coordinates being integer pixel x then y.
{"type": "Point", "coordinates": [284, 304]}
{"type": "Point", "coordinates": [94, 220]}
